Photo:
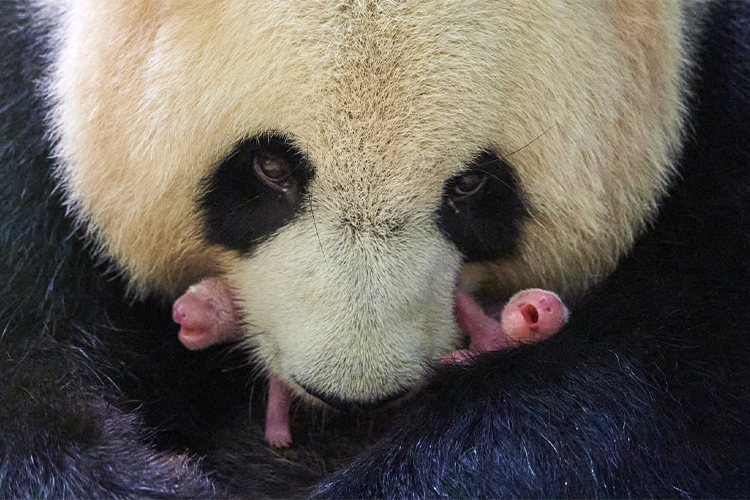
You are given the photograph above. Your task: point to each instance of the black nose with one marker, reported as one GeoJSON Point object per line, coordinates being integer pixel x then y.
{"type": "Point", "coordinates": [351, 406]}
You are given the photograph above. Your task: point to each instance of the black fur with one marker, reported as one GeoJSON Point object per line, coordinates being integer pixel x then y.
{"type": "Point", "coordinates": [646, 392]}
{"type": "Point", "coordinates": [484, 225]}
{"type": "Point", "coordinates": [62, 432]}
{"type": "Point", "coordinates": [235, 195]}
{"type": "Point", "coordinates": [350, 407]}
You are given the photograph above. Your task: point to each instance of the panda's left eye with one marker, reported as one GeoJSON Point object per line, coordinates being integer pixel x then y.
{"type": "Point", "coordinates": [482, 209]}
{"type": "Point", "coordinates": [468, 184]}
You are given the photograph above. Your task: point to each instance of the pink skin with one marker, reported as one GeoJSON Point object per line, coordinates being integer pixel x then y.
{"type": "Point", "coordinates": [278, 433]}
{"type": "Point", "coordinates": [529, 316]}
{"type": "Point", "coordinates": [207, 315]}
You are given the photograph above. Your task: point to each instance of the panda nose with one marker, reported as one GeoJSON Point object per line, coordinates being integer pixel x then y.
{"type": "Point", "coordinates": [351, 406]}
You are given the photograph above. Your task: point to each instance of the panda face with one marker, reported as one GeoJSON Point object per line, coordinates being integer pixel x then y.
{"type": "Point", "coordinates": [363, 264]}
{"type": "Point", "coordinates": [346, 163]}
{"type": "Point", "coordinates": [340, 277]}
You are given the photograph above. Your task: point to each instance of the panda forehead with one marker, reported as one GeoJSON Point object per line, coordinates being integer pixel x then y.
{"type": "Point", "coordinates": [368, 85]}
{"type": "Point", "coordinates": [152, 94]}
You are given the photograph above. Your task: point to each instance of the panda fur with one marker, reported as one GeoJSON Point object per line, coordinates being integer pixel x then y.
{"type": "Point", "coordinates": [616, 140]}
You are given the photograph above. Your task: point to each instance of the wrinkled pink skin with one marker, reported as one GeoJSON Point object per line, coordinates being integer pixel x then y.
{"type": "Point", "coordinates": [207, 315]}
{"type": "Point", "coordinates": [529, 316]}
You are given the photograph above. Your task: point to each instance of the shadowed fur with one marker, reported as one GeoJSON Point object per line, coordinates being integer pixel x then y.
{"type": "Point", "coordinates": [617, 134]}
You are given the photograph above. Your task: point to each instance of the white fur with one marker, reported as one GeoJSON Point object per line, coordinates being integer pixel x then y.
{"type": "Point", "coordinates": [388, 99]}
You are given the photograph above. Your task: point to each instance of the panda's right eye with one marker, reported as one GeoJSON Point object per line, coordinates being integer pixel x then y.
{"type": "Point", "coordinates": [254, 191]}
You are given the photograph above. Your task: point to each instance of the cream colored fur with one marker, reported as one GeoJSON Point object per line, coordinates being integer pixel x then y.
{"type": "Point", "coordinates": [388, 99]}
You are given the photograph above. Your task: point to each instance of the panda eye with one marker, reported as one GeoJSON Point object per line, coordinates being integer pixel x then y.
{"type": "Point", "coordinates": [482, 209]}
{"type": "Point", "coordinates": [272, 170]}
{"type": "Point", "coordinates": [254, 191]}
{"type": "Point", "coordinates": [469, 184]}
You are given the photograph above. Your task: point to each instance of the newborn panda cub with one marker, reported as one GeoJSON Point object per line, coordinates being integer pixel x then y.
{"type": "Point", "coordinates": [207, 315]}
{"type": "Point", "coordinates": [529, 316]}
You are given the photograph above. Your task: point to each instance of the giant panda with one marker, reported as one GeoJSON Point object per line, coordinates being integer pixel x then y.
{"type": "Point", "coordinates": [347, 166]}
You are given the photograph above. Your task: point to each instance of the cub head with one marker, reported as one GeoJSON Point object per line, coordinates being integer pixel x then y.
{"type": "Point", "coordinates": [346, 165]}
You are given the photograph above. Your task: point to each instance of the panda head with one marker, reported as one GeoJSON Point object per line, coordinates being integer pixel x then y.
{"type": "Point", "coordinates": [346, 164]}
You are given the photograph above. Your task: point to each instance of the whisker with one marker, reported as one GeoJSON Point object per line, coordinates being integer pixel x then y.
{"type": "Point", "coordinates": [532, 141]}
{"type": "Point", "coordinates": [505, 183]}
{"type": "Point", "coordinates": [466, 226]}
{"type": "Point", "coordinates": [516, 192]}
{"type": "Point", "coordinates": [315, 224]}
{"type": "Point", "coordinates": [486, 248]}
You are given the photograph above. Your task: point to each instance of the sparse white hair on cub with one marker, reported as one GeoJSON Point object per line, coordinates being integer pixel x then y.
{"type": "Point", "coordinates": [388, 100]}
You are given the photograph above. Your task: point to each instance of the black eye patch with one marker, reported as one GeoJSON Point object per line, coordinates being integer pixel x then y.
{"type": "Point", "coordinates": [255, 190]}
{"type": "Point", "coordinates": [482, 209]}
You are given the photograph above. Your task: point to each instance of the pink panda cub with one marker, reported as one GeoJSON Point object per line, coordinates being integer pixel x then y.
{"type": "Point", "coordinates": [529, 316]}
{"type": "Point", "coordinates": [208, 315]}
